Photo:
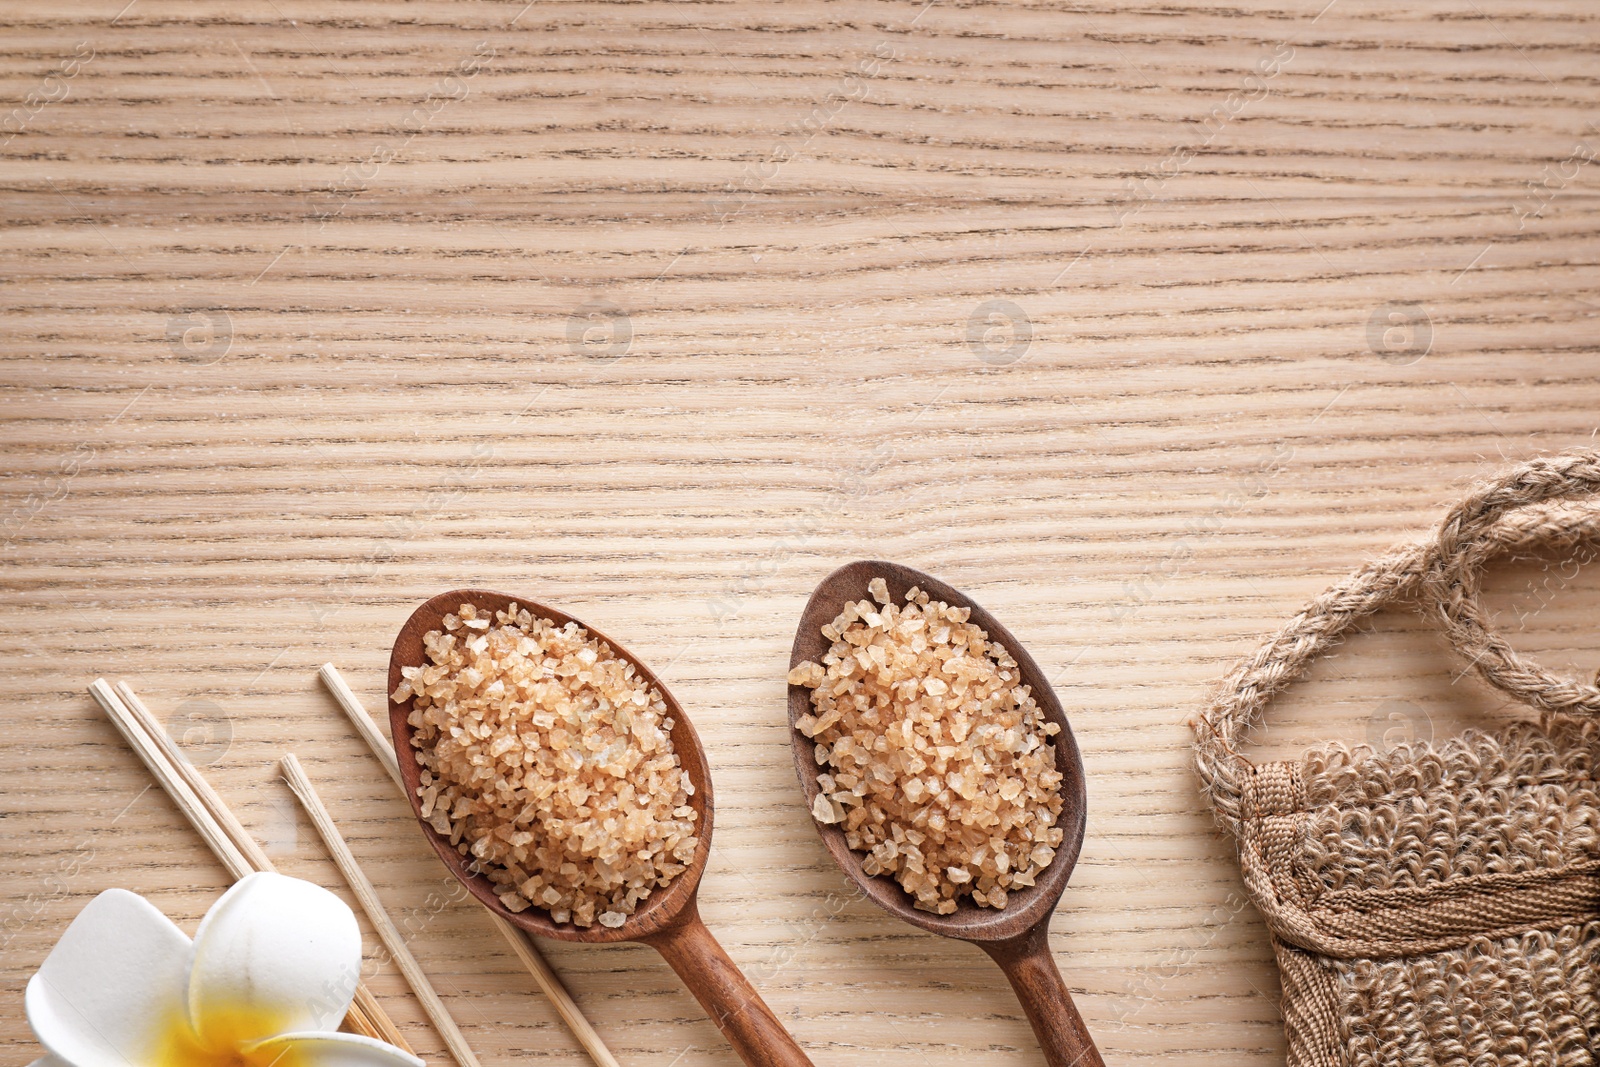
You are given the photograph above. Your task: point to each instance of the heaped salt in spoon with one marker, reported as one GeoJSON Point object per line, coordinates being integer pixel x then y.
{"type": "Point", "coordinates": [968, 818]}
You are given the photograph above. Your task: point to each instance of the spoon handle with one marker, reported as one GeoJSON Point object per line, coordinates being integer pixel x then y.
{"type": "Point", "coordinates": [1062, 1035]}
{"type": "Point", "coordinates": [725, 994]}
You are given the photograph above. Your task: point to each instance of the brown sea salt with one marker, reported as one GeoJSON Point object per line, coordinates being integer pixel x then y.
{"type": "Point", "coordinates": [935, 758]}
{"type": "Point", "coordinates": [547, 759]}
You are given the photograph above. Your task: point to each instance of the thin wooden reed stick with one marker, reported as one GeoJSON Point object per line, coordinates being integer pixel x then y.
{"type": "Point", "coordinates": [346, 699]}
{"type": "Point", "coordinates": [216, 824]}
{"type": "Point", "coordinates": [521, 943]}
{"type": "Point", "coordinates": [388, 933]}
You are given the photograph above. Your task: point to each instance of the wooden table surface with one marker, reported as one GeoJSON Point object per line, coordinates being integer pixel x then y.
{"type": "Point", "coordinates": [1141, 323]}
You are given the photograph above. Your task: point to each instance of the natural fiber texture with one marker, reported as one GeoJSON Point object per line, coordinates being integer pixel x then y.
{"type": "Point", "coordinates": [1431, 905]}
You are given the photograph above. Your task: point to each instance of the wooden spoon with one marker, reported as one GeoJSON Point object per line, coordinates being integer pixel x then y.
{"type": "Point", "coordinates": [1018, 935]}
{"type": "Point", "coordinates": [669, 919]}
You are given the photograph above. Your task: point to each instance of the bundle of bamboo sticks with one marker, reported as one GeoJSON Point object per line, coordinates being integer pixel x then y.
{"type": "Point", "coordinates": [223, 833]}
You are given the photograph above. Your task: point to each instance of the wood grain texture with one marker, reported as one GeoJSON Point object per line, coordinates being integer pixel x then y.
{"type": "Point", "coordinates": [1138, 323]}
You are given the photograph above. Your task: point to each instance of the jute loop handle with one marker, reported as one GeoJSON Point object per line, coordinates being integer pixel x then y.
{"type": "Point", "coordinates": [1509, 514]}
{"type": "Point", "coordinates": [1454, 578]}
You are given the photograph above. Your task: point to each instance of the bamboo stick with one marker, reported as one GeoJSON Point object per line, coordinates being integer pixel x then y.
{"type": "Point", "coordinates": [521, 943]}
{"type": "Point", "coordinates": [388, 933]}
{"type": "Point", "coordinates": [363, 723]}
{"type": "Point", "coordinates": [216, 824]}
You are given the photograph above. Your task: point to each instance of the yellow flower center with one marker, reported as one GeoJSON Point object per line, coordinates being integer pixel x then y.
{"type": "Point", "coordinates": [228, 1031]}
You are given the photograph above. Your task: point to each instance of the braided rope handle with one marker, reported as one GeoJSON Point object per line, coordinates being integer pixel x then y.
{"type": "Point", "coordinates": [1511, 513]}
{"type": "Point", "coordinates": [1453, 583]}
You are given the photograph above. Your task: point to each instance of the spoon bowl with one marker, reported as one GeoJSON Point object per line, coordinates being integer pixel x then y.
{"type": "Point", "coordinates": [668, 919]}
{"type": "Point", "coordinates": [1017, 935]}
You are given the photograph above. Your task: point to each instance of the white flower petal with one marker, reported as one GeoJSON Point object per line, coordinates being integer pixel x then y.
{"type": "Point", "coordinates": [48, 1060]}
{"type": "Point", "coordinates": [285, 953]}
{"type": "Point", "coordinates": [113, 985]}
{"type": "Point", "coordinates": [333, 1050]}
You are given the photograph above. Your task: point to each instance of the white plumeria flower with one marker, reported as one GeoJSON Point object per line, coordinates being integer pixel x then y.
{"type": "Point", "coordinates": [267, 978]}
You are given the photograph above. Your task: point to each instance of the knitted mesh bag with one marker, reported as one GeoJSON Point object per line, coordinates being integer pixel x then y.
{"type": "Point", "coordinates": [1435, 905]}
